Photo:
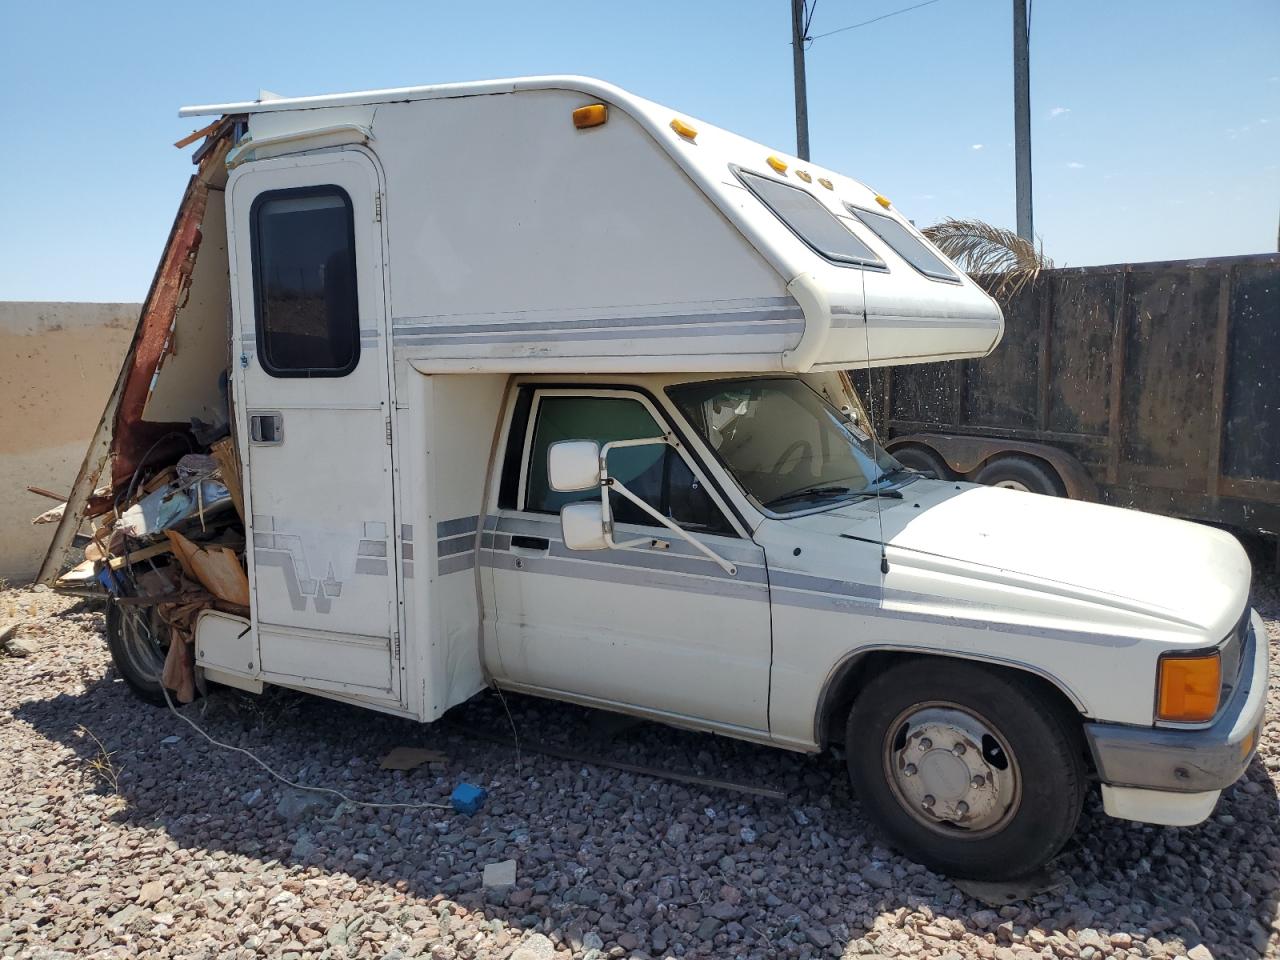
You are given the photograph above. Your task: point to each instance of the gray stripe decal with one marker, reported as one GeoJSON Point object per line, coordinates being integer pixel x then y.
{"type": "Point", "coordinates": [371, 567]}
{"type": "Point", "coordinates": [870, 608]}
{"type": "Point", "coordinates": [657, 320]}
{"type": "Point", "coordinates": [406, 549]}
{"type": "Point", "coordinates": [449, 565]}
{"type": "Point", "coordinates": [495, 541]}
{"type": "Point", "coordinates": [608, 573]}
{"type": "Point", "coordinates": [406, 531]}
{"type": "Point", "coordinates": [656, 333]}
{"type": "Point", "coordinates": [408, 569]}
{"type": "Point", "coordinates": [447, 548]}
{"type": "Point", "coordinates": [524, 525]}
{"type": "Point", "coordinates": [550, 528]}
{"type": "Point", "coordinates": [804, 581]}
{"type": "Point", "coordinates": [722, 308]}
{"type": "Point", "coordinates": [283, 561]}
{"type": "Point", "coordinates": [372, 548]}
{"type": "Point", "coordinates": [661, 561]}
{"type": "Point", "coordinates": [695, 574]}
{"type": "Point", "coordinates": [450, 528]}
{"type": "Point", "coordinates": [891, 320]}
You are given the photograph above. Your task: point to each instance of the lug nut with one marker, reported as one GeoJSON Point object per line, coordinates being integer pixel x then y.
{"type": "Point", "coordinates": [926, 744]}
{"type": "Point", "coordinates": [979, 781]}
{"type": "Point", "coordinates": [958, 749]}
{"type": "Point", "coordinates": [909, 770]}
{"type": "Point", "coordinates": [927, 802]}
{"type": "Point", "coordinates": [962, 808]}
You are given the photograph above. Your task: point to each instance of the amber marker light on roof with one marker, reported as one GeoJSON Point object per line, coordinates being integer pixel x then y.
{"type": "Point", "coordinates": [682, 128]}
{"type": "Point", "coordinates": [826, 183]}
{"type": "Point", "coordinates": [1188, 688]}
{"type": "Point", "coordinates": [804, 175]}
{"type": "Point", "coordinates": [777, 164]}
{"type": "Point", "coordinates": [592, 115]}
{"type": "Point", "coordinates": [883, 201]}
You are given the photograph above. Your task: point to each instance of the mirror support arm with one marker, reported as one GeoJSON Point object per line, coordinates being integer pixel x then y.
{"type": "Point", "coordinates": [607, 482]}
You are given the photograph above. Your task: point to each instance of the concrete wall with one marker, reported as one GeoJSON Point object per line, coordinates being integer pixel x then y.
{"type": "Point", "coordinates": [58, 363]}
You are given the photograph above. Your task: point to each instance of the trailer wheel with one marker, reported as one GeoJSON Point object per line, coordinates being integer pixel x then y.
{"type": "Point", "coordinates": [969, 771]}
{"type": "Point", "coordinates": [924, 460]}
{"type": "Point", "coordinates": [1021, 473]}
{"type": "Point", "coordinates": [138, 640]}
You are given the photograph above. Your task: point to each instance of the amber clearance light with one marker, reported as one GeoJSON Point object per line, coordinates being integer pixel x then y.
{"type": "Point", "coordinates": [592, 115]}
{"type": "Point", "coordinates": [1188, 688]}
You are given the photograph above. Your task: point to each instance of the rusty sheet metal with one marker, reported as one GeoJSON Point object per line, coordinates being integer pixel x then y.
{"type": "Point", "coordinates": [121, 437]}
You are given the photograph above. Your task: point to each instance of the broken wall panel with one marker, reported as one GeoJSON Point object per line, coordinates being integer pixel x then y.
{"type": "Point", "coordinates": [191, 364]}
{"type": "Point", "coordinates": [122, 437]}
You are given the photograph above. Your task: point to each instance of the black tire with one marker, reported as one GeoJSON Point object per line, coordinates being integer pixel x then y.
{"type": "Point", "coordinates": [1044, 760]}
{"type": "Point", "coordinates": [138, 658]}
{"type": "Point", "coordinates": [924, 460]}
{"type": "Point", "coordinates": [1021, 473]}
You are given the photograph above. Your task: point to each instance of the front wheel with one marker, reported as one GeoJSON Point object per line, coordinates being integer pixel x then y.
{"type": "Point", "coordinates": [969, 771]}
{"type": "Point", "coordinates": [139, 641]}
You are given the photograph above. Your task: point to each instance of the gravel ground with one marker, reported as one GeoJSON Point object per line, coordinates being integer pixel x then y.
{"type": "Point", "coordinates": [153, 843]}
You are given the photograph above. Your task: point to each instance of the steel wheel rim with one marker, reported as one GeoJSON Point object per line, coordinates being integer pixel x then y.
{"type": "Point", "coordinates": [951, 770]}
{"type": "Point", "coordinates": [1012, 485]}
{"type": "Point", "coordinates": [145, 646]}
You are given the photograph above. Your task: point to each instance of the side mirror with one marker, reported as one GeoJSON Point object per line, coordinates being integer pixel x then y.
{"type": "Point", "coordinates": [582, 524]}
{"type": "Point", "coordinates": [573, 465]}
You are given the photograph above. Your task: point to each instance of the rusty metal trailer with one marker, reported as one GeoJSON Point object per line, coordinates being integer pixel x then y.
{"type": "Point", "coordinates": [1147, 385]}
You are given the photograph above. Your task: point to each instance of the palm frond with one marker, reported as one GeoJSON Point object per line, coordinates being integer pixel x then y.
{"type": "Point", "coordinates": [998, 259]}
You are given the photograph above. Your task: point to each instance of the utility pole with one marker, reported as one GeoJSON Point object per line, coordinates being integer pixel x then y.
{"type": "Point", "coordinates": [802, 94]}
{"type": "Point", "coordinates": [1022, 120]}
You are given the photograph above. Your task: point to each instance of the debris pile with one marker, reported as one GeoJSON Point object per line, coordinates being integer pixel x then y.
{"type": "Point", "coordinates": [167, 547]}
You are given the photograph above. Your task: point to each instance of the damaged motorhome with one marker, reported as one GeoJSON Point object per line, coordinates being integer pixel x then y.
{"type": "Point", "coordinates": [538, 384]}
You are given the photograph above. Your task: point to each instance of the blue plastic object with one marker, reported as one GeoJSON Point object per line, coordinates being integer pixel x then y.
{"type": "Point", "coordinates": [468, 798]}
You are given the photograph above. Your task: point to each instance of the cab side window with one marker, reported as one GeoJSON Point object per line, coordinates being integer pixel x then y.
{"type": "Point", "coordinates": [657, 474]}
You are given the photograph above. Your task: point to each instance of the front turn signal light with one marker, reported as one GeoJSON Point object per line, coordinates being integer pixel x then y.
{"type": "Point", "coordinates": [1189, 688]}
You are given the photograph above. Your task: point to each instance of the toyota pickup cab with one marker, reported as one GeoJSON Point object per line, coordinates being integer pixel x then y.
{"type": "Point", "coordinates": [538, 385]}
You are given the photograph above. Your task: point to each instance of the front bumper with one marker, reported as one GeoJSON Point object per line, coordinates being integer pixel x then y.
{"type": "Point", "coordinates": [1196, 764]}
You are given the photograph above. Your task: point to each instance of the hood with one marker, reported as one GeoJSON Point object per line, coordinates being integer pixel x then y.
{"type": "Point", "coordinates": [1179, 571]}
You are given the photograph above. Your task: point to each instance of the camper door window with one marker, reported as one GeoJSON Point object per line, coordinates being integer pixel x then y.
{"type": "Point", "coordinates": [304, 273]}
{"type": "Point", "coordinates": [809, 220]}
{"type": "Point", "coordinates": [657, 474]}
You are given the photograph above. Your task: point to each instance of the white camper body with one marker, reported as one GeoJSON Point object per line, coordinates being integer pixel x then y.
{"type": "Point", "coordinates": [493, 237]}
{"type": "Point", "coordinates": [448, 305]}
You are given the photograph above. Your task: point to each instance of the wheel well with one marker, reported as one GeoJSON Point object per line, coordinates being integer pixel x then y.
{"type": "Point", "coordinates": [1019, 455]}
{"type": "Point", "coordinates": [853, 674]}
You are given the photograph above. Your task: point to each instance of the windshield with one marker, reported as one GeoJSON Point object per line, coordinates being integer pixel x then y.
{"type": "Point", "coordinates": [785, 446]}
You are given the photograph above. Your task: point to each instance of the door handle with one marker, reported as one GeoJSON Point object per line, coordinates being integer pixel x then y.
{"type": "Point", "coordinates": [530, 543]}
{"type": "Point", "coordinates": [266, 428]}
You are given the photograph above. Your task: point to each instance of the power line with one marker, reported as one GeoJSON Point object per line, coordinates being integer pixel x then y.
{"type": "Point", "coordinates": [808, 20]}
{"type": "Point", "coordinates": [886, 16]}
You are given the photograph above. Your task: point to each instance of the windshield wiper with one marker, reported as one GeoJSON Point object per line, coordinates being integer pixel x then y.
{"type": "Point", "coordinates": [820, 491]}
{"type": "Point", "coordinates": [897, 471]}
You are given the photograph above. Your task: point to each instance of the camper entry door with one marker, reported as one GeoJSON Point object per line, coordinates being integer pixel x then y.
{"type": "Point", "coordinates": [312, 398]}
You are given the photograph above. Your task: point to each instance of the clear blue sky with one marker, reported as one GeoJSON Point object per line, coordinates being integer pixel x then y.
{"type": "Point", "coordinates": [1156, 123]}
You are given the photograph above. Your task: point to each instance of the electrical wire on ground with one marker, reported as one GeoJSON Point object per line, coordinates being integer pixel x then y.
{"type": "Point", "coordinates": [298, 786]}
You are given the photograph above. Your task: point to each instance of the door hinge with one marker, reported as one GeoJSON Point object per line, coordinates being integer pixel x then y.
{"type": "Point", "coordinates": [388, 424]}
{"type": "Point", "coordinates": [377, 207]}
